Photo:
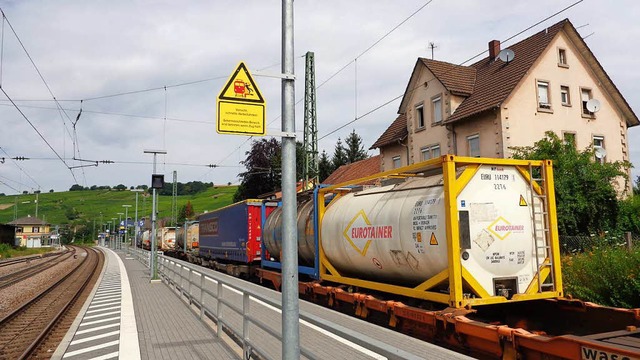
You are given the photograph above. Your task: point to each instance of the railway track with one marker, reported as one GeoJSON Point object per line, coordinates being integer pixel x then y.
{"type": "Point", "coordinates": [17, 276]}
{"type": "Point", "coordinates": [13, 261]}
{"type": "Point", "coordinates": [22, 331]}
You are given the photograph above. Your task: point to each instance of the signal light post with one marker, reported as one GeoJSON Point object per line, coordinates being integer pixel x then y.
{"type": "Point", "coordinates": [153, 262]}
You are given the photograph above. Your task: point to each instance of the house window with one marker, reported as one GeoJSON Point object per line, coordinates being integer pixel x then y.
{"type": "Point", "coordinates": [430, 152]}
{"type": "Point", "coordinates": [420, 116]}
{"type": "Point", "coordinates": [598, 143]}
{"type": "Point", "coordinates": [570, 138]}
{"type": "Point", "coordinates": [543, 95]}
{"type": "Point", "coordinates": [586, 95]}
{"type": "Point", "coordinates": [473, 145]}
{"type": "Point", "coordinates": [564, 96]}
{"type": "Point", "coordinates": [562, 58]}
{"type": "Point", "coordinates": [396, 162]}
{"type": "Point", "coordinates": [36, 229]}
{"type": "Point", "coordinates": [19, 229]}
{"type": "Point", "coordinates": [437, 109]}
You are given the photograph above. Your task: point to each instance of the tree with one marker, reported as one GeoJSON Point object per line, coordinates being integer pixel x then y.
{"type": "Point", "coordinates": [186, 212]}
{"type": "Point", "coordinates": [51, 190]}
{"type": "Point", "coordinates": [339, 156]}
{"type": "Point", "coordinates": [263, 169]}
{"type": "Point", "coordinates": [120, 187]}
{"type": "Point", "coordinates": [354, 148]}
{"type": "Point", "coordinates": [636, 186]}
{"type": "Point", "coordinates": [325, 168]}
{"type": "Point", "coordinates": [586, 198]}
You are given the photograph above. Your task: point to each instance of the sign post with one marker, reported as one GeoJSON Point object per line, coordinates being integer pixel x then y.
{"type": "Point", "coordinates": [240, 106]}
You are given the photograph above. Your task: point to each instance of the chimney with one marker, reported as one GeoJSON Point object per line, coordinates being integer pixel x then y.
{"type": "Point", "coordinates": [494, 49]}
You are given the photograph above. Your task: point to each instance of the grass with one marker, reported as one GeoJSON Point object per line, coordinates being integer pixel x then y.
{"type": "Point", "coordinates": [7, 251]}
{"type": "Point", "coordinates": [608, 275]}
{"type": "Point", "coordinates": [103, 205]}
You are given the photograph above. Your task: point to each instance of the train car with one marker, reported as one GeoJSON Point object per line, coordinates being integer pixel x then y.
{"type": "Point", "coordinates": [230, 237]}
{"type": "Point", "coordinates": [166, 238]}
{"type": "Point", "coordinates": [192, 236]}
{"type": "Point", "coordinates": [145, 239]}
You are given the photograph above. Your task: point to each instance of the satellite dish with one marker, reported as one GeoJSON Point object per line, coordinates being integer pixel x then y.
{"type": "Point", "coordinates": [593, 105]}
{"type": "Point", "coordinates": [601, 153]}
{"type": "Point", "coordinates": [506, 55]}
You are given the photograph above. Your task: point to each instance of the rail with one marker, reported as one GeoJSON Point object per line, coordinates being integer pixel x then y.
{"type": "Point", "coordinates": [194, 284]}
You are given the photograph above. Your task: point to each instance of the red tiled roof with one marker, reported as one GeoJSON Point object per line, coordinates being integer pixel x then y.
{"type": "Point", "coordinates": [28, 220]}
{"type": "Point", "coordinates": [456, 78]}
{"type": "Point", "coordinates": [356, 170]}
{"type": "Point", "coordinates": [495, 80]}
{"type": "Point", "coordinates": [396, 131]}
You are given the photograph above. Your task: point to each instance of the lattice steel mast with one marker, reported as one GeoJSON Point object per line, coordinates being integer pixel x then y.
{"type": "Point", "coordinates": [310, 171]}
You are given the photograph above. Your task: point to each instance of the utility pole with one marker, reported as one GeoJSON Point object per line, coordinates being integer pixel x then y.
{"type": "Point", "coordinates": [311, 171]}
{"type": "Point", "coordinates": [153, 263]}
{"type": "Point", "coordinates": [136, 227]}
{"type": "Point", "coordinates": [174, 200]}
{"type": "Point", "coordinates": [119, 243]}
{"type": "Point", "coordinates": [290, 302]}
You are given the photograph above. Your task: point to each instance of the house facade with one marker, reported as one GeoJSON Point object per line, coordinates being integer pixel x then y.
{"type": "Point", "coordinates": [30, 231]}
{"type": "Point", "coordinates": [483, 110]}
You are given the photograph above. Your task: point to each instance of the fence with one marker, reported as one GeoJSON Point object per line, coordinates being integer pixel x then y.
{"type": "Point", "coordinates": [213, 294]}
{"type": "Point", "coordinates": [578, 244]}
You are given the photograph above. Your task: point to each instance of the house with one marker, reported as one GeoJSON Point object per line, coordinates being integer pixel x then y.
{"type": "Point", "coordinates": [355, 170]}
{"type": "Point", "coordinates": [489, 107]}
{"type": "Point", "coordinates": [30, 231]}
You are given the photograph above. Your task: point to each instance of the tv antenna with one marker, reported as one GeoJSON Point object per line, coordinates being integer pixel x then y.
{"type": "Point", "coordinates": [432, 46]}
{"type": "Point", "coordinates": [506, 55]}
{"type": "Point", "coordinates": [600, 153]}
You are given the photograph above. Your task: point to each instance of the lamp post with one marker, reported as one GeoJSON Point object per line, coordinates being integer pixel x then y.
{"type": "Point", "coordinates": [118, 244]}
{"type": "Point", "coordinates": [154, 251]}
{"type": "Point", "coordinates": [136, 225]}
{"type": "Point", "coordinates": [126, 223]}
{"type": "Point", "coordinates": [113, 231]}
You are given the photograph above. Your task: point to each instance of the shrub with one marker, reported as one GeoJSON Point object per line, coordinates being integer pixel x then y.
{"type": "Point", "coordinates": [607, 275]}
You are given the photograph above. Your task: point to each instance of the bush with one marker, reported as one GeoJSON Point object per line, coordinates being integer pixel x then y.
{"type": "Point", "coordinates": [607, 275]}
{"type": "Point", "coordinates": [5, 251]}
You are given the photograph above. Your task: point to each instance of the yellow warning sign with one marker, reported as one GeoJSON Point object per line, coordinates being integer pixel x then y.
{"type": "Point", "coordinates": [240, 105]}
{"type": "Point", "coordinates": [523, 202]}
{"type": "Point", "coordinates": [433, 240]}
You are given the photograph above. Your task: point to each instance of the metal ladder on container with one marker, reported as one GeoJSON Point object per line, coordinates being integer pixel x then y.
{"type": "Point", "coordinates": [542, 236]}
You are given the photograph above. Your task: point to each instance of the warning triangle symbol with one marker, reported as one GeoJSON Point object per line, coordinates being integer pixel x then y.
{"type": "Point", "coordinates": [241, 87]}
{"type": "Point", "coordinates": [523, 202]}
{"type": "Point", "coordinates": [433, 240]}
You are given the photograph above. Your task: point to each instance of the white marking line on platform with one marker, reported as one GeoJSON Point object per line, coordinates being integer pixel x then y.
{"type": "Point", "coordinates": [109, 286]}
{"type": "Point", "coordinates": [97, 328]}
{"type": "Point", "coordinates": [105, 301]}
{"type": "Point", "coordinates": [105, 309]}
{"type": "Point", "coordinates": [328, 334]}
{"type": "Point", "coordinates": [129, 344]}
{"type": "Point", "coordinates": [90, 349]}
{"type": "Point", "coordinates": [113, 355]}
{"type": "Point", "coordinates": [110, 292]}
{"type": "Point", "coordinates": [101, 315]}
{"type": "Point", "coordinates": [114, 303]}
{"type": "Point", "coordinates": [100, 321]}
{"type": "Point", "coordinates": [95, 337]}
{"type": "Point", "coordinates": [101, 298]}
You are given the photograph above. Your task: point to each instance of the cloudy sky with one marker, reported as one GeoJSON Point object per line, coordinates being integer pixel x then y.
{"type": "Point", "coordinates": [91, 50]}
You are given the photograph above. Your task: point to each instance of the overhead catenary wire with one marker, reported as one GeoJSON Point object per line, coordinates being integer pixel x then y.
{"type": "Point", "coordinates": [446, 72]}
{"type": "Point", "coordinates": [20, 167]}
{"type": "Point", "coordinates": [39, 133]}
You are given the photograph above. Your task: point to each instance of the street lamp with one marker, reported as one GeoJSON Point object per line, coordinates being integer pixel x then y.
{"type": "Point", "coordinates": [126, 223]}
{"type": "Point", "coordinates": [118, 245]}
{"type": "Point", "coordinates": [136, 226]}
{"type": "Point", "coordinates": [154, 251]}
{"type": "Point", "coordinates": [113, 231]}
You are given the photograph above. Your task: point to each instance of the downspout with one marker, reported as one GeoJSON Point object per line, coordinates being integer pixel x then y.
{"type": "Point", "coordinates": [406, 146]}
{"type": "Point", "coordinates": [454, 138]}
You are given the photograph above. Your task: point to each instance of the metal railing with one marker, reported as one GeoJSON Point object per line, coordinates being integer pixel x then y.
{"type": "Point", "coordinates": [192, 283]}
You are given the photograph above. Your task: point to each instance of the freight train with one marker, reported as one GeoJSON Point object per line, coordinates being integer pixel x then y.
{"type": "Point", "coordinates": [463, 252]}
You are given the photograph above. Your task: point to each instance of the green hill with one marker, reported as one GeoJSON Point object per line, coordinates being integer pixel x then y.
{"type": "Point", "coordinates": [86, 206]}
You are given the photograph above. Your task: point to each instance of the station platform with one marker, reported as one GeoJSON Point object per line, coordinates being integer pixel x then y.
{"type": "Point", "coordinates": [129, 317]}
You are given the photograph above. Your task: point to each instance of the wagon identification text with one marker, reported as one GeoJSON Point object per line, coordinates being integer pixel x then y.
{"type": "Point", "coordinates": [360, 232]}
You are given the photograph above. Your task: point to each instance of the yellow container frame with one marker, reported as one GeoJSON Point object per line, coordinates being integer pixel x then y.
{"type": "Point", "coordinates": [456, 274]}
